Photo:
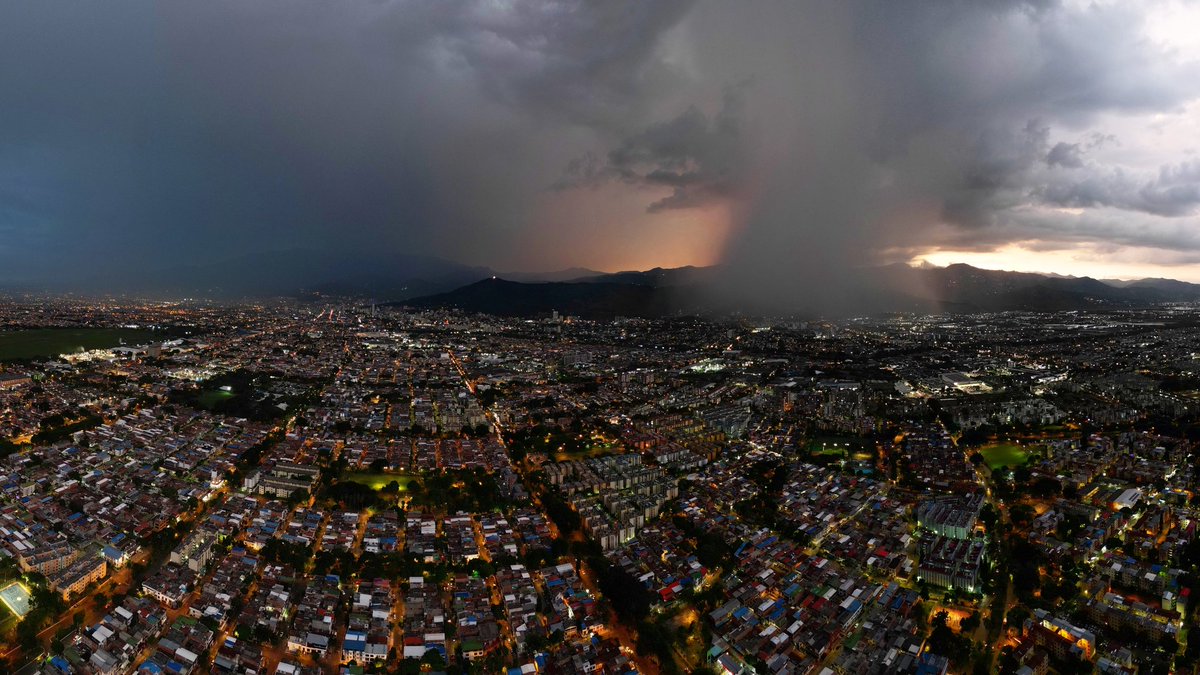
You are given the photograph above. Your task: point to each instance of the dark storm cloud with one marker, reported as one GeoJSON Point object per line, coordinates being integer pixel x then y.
{"type": "Point", "coordinates": [1102, 229]}
{"type": "Point", "coordinates": [1008, 171]}
{"type": "Point", "coordinates": [136, 131]}
{"type": "Point", "coordinates": [694, 157]}
{"type": "Point", "coordinates": [1173, 193]}
{"type": "Point", "coordinates": [587, 63]}
{"type": "Point", "coordinates": [1067, 155]}
{"type": "Point", "coordinates": [147, 133]}
{"type": "Point", "coordinates": [876, 122]}
{"type": "Point", "coordinates": [989, 83]}
{"type": "Point", "coordinates": [995, 176]}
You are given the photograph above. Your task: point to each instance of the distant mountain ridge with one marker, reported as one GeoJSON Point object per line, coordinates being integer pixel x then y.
{"type": "Point", "coordinates": [958, 288]}
{"type": "Point", "coordinates": [659, 276]}
{"type": "Point", "coordinates": [297, 270]}
{"type": "Point", "coordinates": [994, 290]}
{"type": "Point", "coordinates": [594, 300]}
{"type": "Point", "coordinates": [429, 282]}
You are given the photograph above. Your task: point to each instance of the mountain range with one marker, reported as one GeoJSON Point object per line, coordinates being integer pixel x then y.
{"type": "Point", "coordinates": [424, 281]}
{"type": "Point", "coordinates": [290, 272]}
{"type": "Point", "coordinates": [956, 289]}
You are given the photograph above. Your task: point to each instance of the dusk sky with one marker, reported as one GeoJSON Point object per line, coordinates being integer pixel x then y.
{"type": "Point", "coordinates": [1039, 135]}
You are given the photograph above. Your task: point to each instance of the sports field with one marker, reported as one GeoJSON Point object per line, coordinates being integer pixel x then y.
{"type": "Point", "coordinates": [209, 398]}
{"type": "Point", "coordinates": [1004, 454]}
{"type": "Point", "coordinates": [378, 480]}
{"type": "Point", "coordinates": [838, 446]}
{"type": "Point", "coordinates": [16, 598]}
{"type": "Point", "coordinates": [594, 450]}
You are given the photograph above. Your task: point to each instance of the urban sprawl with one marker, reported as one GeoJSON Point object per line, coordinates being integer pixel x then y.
{"type": "Point", "coordinates": [325, 486]}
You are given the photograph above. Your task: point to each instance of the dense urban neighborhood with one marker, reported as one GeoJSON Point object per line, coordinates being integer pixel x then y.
{"type": "Point", "coordinates": [320, 485]}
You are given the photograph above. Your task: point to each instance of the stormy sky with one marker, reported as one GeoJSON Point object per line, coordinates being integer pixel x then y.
{"type": "Point", "coordinates": [788, 140]}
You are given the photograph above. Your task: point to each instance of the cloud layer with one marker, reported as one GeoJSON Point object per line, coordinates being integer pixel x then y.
{"type": "Point", "coordinates": [794, 139]}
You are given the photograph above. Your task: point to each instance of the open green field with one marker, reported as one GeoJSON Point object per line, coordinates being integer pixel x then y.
{"type": "Point", "coordinates": [209, 398]}
{"type": "Point", "coordinates": [1004, 454]}
{"type": "Point", "coordinates": [594, 450]}
{"type": "Point", "coordinates": [39, 343]}
{"type": "Point", "coordinates": [376, 480]}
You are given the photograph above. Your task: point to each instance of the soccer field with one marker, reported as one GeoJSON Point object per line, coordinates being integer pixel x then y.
{"type": "Point", "coordinates": [1004, 454]}
{"type": "Point", "coordinates": [377, 481]}
{"type": "Point", "coordinates": [16, 598]}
